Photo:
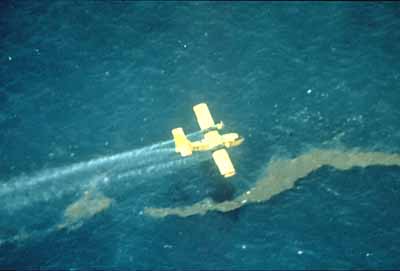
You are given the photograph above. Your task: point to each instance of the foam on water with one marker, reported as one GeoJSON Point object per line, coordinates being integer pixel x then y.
{"type": "Point", "coordinates": [157, 159]}
{"type": "Point", "coordinates": [83, 183]}
{"type": "Point", "coordinates": [146, 155]}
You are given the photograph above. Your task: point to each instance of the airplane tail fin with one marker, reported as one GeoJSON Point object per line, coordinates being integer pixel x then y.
{"type": "Point", "coordinates": [182, 144]}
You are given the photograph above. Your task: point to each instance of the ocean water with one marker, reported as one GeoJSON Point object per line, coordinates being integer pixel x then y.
{"type": "Point", "coordinates": [89, 94]}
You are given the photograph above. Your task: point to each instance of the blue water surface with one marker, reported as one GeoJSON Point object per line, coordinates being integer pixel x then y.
{"type": "Point", "coordinates": [84, 80]}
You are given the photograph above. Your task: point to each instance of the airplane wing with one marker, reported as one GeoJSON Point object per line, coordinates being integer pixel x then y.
{"type": "Point", "coordinates": [203, 116]}
{"type": "Point", "coordinates": [224, 163]}
{"type": "Point", "coordinates": [221, 156]}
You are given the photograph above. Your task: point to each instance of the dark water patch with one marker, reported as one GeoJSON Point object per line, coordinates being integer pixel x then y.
{"type": "Point", "coordinates": [7, 123]}
{"type": "Point", "coordinates": [3, 99]}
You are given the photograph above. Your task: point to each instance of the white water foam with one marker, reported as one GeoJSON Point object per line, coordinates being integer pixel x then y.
{"type": "Point", "coordinates": [24, 182]}
{"type": "Point", "coordinates": [155, 160]}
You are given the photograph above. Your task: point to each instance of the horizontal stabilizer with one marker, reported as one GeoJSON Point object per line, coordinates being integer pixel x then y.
{"type": "Point", "coordinates": [182, 144]}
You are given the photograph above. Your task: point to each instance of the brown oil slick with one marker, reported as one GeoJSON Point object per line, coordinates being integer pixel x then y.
{"type": "Point", "coordinates": [74, 216]}
{"type": "Point", "coordinates": [282, 175]}
{"type": "Point", "coordinates": [84, 208]}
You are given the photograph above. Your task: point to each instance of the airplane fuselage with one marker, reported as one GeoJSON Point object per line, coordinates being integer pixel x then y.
{"type": "Point", "coordinates": [213, 140]}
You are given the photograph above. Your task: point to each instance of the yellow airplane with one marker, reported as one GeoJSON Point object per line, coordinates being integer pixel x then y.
{"type": "Point", "coordinates": [212, 141]}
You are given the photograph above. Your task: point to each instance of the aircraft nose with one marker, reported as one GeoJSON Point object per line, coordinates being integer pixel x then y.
{"type": "Point", "coordinates": [240, 140]}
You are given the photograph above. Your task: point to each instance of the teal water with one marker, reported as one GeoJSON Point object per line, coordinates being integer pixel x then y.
{"type": "Point", "coordinates": [87, 81]}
